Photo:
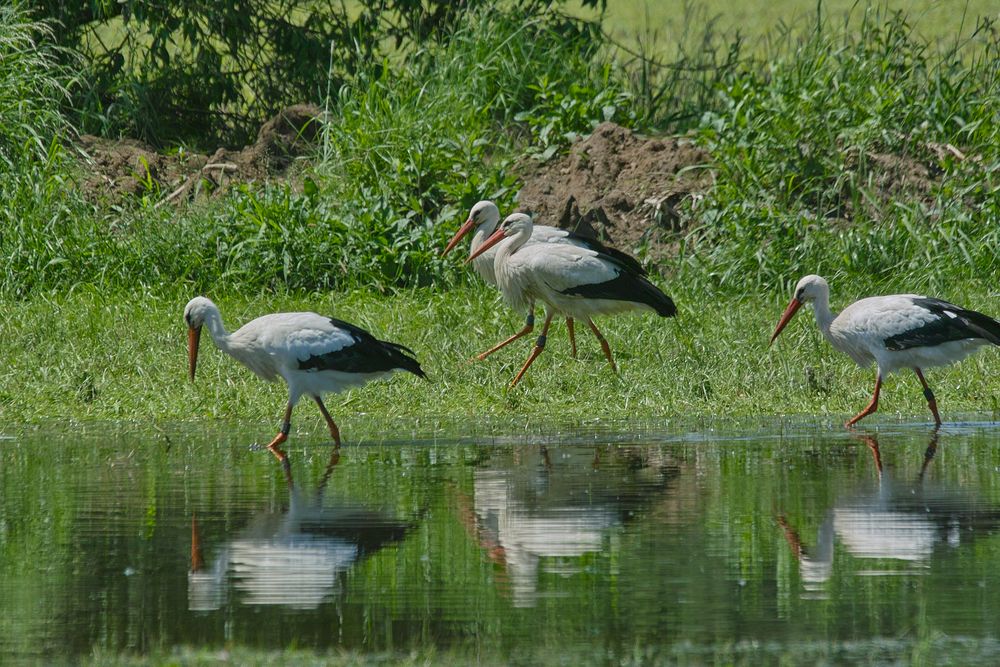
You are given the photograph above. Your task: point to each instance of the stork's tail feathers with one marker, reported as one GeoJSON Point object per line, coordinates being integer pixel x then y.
{"type": "Point", "coordinates": [629, 287]}
{"type": "Point", "coordinates": [403, 357]}
{"type": "Point", "coordinates": [651, 295]}
{"type": "Point", "coordinates": [984, 325]}
{"type": "Point", "coordinates": [663, 304]}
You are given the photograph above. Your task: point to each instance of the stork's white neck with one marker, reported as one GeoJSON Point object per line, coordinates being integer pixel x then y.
{"type": "Point", "coordinates": [510, 285]}
{"type": "Point", "coordinates": [213, 322]}
{"type": "Point", "coordinates": [484, 264]}
{"type": "Point", "coordinates": [510, 245]}
{"type": "Point", "coordinates": [824, 317]}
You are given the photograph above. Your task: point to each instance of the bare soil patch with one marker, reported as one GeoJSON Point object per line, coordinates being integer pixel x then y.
{"type": "Point", "coordinates": [619, 186]}
{"type": "Point", "coordinates": [114, 170]}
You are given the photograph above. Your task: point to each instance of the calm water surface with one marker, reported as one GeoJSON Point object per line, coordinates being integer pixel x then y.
{"type": "Point", "coordinates": [772, 543]}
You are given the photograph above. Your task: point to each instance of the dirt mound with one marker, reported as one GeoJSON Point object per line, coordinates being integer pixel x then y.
{"type": "Point", "coordinates": [887, 177]}
{"type": "Point", "coordinates": [118, 169]}
{"type": "Point", "coordinates": [620, 187]}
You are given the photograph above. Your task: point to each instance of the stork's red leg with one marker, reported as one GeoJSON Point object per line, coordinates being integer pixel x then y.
{"type": "Point", "coordinates": [872, 405]}
{"type": "Point", "coordinates": [286, 426]}
{"type": "Point", "coordinates": [876, 454]}
{"type": "Point", "coordinates": [334, 431]}
{"type": "Point", "coordinates": [535, 351]}
{"type": "Point", "coordinates": [529, 326]}
{"type": "Point", "coordinates": [929, 395]}
{"type": "Point", "coordinates": [604, 344]}
{"type": "Point", "coordinates": [572, 336]}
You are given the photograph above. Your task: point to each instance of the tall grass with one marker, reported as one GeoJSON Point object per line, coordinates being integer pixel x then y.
{"type": "Point", "coordinates": [856, 153]}
{"type": "Point", "coordinates": [405, 150]}
{"type": "Point", "coordinates": [34, 171]}
{"type": "Point", "coordinates": [31, 88]}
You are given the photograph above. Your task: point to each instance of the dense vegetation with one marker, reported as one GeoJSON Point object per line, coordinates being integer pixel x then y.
{"type": "Point", "coordinates": [193, 71]}
{"type": "Point", "coordinates": [411, 143]}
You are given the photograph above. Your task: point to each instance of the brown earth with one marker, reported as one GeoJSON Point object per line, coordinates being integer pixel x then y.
{"type": "Point", "coordinates": [118, 169]}
{"type": "Point", "coordinates": [620, 187]}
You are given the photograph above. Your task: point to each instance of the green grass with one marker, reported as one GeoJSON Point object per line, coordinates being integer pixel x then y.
{"type": "Point", "coordinates": [85, 356]}
{"type": "Point", "coordinates": [661, 23]}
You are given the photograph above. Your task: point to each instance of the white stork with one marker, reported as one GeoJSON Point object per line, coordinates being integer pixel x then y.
{"type": "Point", "coordinates": [897, 331]}
{"type": "Point", "coordinates": [485, 217]}
{"type": "Point", "coordinates": [312, 353]}
{"type": "Point", "coordinates": [573, 281]}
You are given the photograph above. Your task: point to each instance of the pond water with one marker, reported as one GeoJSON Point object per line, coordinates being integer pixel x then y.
{"type": "Point", "coordinates": [606, 545]}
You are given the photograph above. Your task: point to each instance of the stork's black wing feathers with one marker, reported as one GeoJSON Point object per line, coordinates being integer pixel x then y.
{"type": "Point", "coordinates": [627, 287]}
{"type": "Point", "coordinates": [622, 259]}
{"type": "Point", "coordinates": [367, 355]}
{"type": "Point", "coordinates": [950, 323]}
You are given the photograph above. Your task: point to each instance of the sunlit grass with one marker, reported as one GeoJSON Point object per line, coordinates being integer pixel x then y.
{"type": "Point", "coordinates": [86, 356]}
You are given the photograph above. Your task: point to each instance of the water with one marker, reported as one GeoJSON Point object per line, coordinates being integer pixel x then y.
{"type": "Point", "coordinates": [741, 544]}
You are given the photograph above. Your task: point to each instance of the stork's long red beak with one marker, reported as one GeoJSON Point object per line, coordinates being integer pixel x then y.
{"type": "Point", "coordinates": [462, 231]}
{"type": "Point", "coordinates": [194, 337]}
{"type": "Point", "coordinates": [496, 238]}
{"type": "Point", "coordinates": [793, 306]}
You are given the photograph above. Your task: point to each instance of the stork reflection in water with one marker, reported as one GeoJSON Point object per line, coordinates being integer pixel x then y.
{"type": "Point", "coordinates": [294, 558]}
{"type": "Point", "coordinates": [900, 523]}
{"type": "Point", "coordinates": [545, 510]}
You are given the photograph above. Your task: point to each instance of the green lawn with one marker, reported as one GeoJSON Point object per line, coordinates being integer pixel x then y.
{"type": "Point", "coordinates": [82, 356]}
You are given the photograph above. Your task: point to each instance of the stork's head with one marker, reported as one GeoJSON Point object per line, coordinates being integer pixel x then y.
{"type": "Point", "coordinates": [807, 290]}
{"type": "Point", "coordinates": [195, 313]}
{"type": "Point", "coordinates": [513, 224]}
{"type": "Point", "coordinates": [485, 213]}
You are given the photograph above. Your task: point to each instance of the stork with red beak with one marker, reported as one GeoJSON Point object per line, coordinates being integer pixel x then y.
{"type": "Point", "coordinates": [484, 217]}
{"type": "Point", "coordinates": [572, 281]}
{"type": "Point", "coordinates": [311, 353]}
{"type": "Point", "coordinates": [896, 332]}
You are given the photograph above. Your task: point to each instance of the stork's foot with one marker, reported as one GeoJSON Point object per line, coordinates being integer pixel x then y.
{"type": "Point", "coordinates": [871, 407]}
{"type": "Point", "coordinates": [856, 418]}
{"type": "Point", "coordinates": [535, 351]}
{"type": "Point", "coordinates": [330, 424]}
{"type": "Point", "coordinates": [604, 345]}
{"type": "Point", "coordinates": [273, 446]}
{"type": "Point", "coordinates": [529, 326]}
{"type": "Point", "coordinates": [572, 337]}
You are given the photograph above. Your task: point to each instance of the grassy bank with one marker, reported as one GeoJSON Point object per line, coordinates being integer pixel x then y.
{"type": "Point", "coordinates": [800, 139]}
{"type": "Point", "coordinates": [88, 356]}
{"type": "Point", "coordinates": [662, 23]}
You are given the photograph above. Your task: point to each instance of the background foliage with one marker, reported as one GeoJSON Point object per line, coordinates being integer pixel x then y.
{"type": "Point", "coordinates": [441, 118]}
{"type": "Point", "coordinates": [208, 72]}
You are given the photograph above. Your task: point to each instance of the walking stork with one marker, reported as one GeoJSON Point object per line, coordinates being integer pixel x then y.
{"type": "Point", "coordinates": [896, 332]}
{"type": "Point", "coordinates": [573, 281]}
{"type": "Point", "coordinates": [311, 353]}
{"type": "Point", "coordinates": [485, 218]}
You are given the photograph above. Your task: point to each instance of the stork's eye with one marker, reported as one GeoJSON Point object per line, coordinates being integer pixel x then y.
{"type": "Point", "coordinates": [799, 295]}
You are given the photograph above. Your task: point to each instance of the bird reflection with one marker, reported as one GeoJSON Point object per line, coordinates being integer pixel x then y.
{"type": "Point", "coordinates": [293, 558]}
{"type": "Point", "coordinates": [902, 521]}
{"type": "Point", "coordinates": [544, 509]}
